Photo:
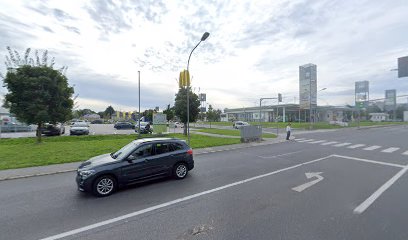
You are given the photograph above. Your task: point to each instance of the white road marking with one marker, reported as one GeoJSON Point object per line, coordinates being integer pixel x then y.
{"type": "Point", "coordinates": [166, 204]}
{"type": "Point", "coordinates": [320, 141]}
{"type": "Point", "coordinates": [304, 186]}
{"type": "Point", "coordinates": [341, 144]}
{"type": "Point", "coordinates": [390, 150]}
{"type": "Point", "coordinates": [329, 143]}
{"type": "Point", "coordinates": [364, 205]}
{"type": "Point", "coordinates": [405, 153]}
{"type": "Point", "coordinates": [298, 139]}
{"type": "Point", "coordinates": [356, 146]}
{"type": "Point", "coordinates": [370, 161]}
{"type": "Point", "coordinates": [372, 148]}
{"type": "Point", "coordinates": [307, 140]}
{"type": "Point", "coordinates": [280, 155]}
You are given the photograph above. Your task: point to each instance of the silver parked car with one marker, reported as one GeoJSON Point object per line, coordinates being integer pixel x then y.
{"type": "Point", "coordinates": [240, 124]}
{"type": "Point", "coordinates": [79, 128]}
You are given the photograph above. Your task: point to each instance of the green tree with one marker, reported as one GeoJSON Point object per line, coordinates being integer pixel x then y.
{"type": "Point", "coordinates": [213, 115]}
{"type": "Point", "coordinates": [82, 112]}
{"type": "Point", "coordinates": [169, 113]}
{"type": "Point", "coordinates": [148, 114]}
{"type": "Point", "coordinates": [109, 111]}
{"type": "Point", "coordinates": [180, 106]}
{"type": "Point", "coordinates": [36, 92]}
{"type": "Point", "coordinates": [101, 114]}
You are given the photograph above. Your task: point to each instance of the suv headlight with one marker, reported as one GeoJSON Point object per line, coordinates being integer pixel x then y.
{"type": "Point", "coordinates": [86, 173]}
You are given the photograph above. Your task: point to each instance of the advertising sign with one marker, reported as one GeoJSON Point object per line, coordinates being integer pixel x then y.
{"type": "Point", "coordinates": [159, 118]}
{"type": "Point", "coordinates": [403, 67]}
{"type": "Point", "coordinates": [203, 97]}
{"type": "Point", "coordinates": [362, 94]}
{"type": "Point", "coordinates": [307, 85]}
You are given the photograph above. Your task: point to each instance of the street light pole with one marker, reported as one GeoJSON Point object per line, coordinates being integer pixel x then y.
{"type": "Point", "coordinates": [203, 38]}
{"type": "Point", "coordinates": [138, 115]}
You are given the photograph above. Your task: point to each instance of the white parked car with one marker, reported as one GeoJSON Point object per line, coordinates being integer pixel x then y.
{"type": "Point", "coordinates": [240, 124]}
{"type": "Point", "coordinates": [143, 127]}
{"type": "Point", "coordinates": [178, 125]}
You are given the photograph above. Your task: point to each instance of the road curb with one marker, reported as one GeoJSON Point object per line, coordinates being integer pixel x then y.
{"type": "Point", "coordinates": [36, 175]}
{"type": "Point", "coordinates": [209, 150]}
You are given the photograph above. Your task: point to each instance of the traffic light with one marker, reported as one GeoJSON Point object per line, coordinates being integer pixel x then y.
{"type": "Point", "coordinates": [184, 79]}
{"type": "Point", "coordinates": [279, 97]}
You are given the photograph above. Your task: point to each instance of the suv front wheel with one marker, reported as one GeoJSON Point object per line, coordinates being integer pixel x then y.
{"type": "Point", "coordinates": [104, 186]}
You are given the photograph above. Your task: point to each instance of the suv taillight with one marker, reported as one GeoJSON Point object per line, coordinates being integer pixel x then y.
{"type": "Point", "coordinates": [190, 152]}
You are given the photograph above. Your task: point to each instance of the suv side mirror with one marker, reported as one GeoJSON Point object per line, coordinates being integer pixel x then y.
{"type": "Point", "coordinates": [130, 158]}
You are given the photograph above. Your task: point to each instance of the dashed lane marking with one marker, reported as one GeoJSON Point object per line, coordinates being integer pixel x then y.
{"type": "Point", "coordinates": [319, 141]}
{"type": "Point", "coordinates": [390, 150]}
{"type": "Point", "coordinates": [342, 144]}
{"type": "Point", "coordinates": [356, 146]}
{"type": "Point", "coordinates": [372, 148]}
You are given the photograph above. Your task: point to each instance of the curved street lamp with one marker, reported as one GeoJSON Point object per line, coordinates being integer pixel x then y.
{"type": "Point", "coordinates": [203, 38]}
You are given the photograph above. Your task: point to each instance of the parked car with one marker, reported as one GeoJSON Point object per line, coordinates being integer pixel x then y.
{"type": "Point", "coordinates": [124, 125]}
{"type": "Point", "coordinates": [140, 160]}
{"type": "Point", "coordinates": [79, 128]}
{"type": "Point", "coordinates": [79, 121]}
{"type": "Point", "coordinates": [53, 129]}
{"type": "Point", "coordinates": [178, 125]}
{"type": "Point", "coordinates": [240, 124]}
{"type": "Point", "coordinates": [143, 128]}
{"type": "Point", "coordinates": [97, 121]}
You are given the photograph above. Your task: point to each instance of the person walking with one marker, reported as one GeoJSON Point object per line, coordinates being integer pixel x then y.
{"type": "Point", "coordinates": [288, 129]}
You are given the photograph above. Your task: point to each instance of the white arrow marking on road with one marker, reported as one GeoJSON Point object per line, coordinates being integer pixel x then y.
{"type": "Point", "coordinates": [309, 184]}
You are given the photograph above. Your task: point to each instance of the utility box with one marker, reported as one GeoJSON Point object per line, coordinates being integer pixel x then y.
{"type": "Point", "coordinates": [405, 116]}
{"type": "Point", "coordinates": [251, 133]}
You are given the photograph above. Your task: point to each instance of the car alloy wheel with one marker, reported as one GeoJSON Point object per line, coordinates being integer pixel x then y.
{"type": "Point", "coordinates": [180, 171]}
{"type": "Point", "coordinates": [104, 186]}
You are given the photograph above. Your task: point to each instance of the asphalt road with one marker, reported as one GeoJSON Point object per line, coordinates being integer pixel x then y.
{"type": "Point", "coordinates": [358, 191]}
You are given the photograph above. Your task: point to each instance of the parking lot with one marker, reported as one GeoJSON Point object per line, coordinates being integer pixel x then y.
{"type": "Point", "coordinates": [94, 129]}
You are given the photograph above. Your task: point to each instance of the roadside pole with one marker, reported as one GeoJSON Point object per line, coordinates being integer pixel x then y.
{"type": "Point", "coordinates": [138, 116]}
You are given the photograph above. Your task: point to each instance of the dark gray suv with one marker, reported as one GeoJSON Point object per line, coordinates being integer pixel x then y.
{"type": "Point", "coordinates": [141, 160]}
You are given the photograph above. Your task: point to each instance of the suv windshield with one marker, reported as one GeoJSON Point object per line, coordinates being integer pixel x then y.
{"type": "Point", "coordinates": [124, 150]}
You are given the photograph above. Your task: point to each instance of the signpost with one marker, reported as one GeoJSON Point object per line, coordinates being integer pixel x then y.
{"type": "Point", "coordinates": [160, 122]}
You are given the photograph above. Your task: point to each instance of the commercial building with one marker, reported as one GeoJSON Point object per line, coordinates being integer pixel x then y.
{"type": "Point", "coordinates": [287, 113]}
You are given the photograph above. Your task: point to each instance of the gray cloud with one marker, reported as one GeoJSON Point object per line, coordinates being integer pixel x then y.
{"type": "Point", "coordinates": [116, 92]}
{"type": "Point", "coordinates": [48, 29]}
{"type": "Point", "coordinates": [41, 8]}
{"type": "Point", "coordinates": [73, 29]}
{"type": "Point", "coordinates": [114, 18]}
{"type": "Point", "coordinates": [61, 15]}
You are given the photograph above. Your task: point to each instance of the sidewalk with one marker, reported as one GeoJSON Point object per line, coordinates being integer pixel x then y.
{"type": "Point", "coordinates": [71, 167]}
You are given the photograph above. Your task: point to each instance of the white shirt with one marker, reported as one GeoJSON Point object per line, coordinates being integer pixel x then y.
{"type": "Point", "coordinates": [288, 129]}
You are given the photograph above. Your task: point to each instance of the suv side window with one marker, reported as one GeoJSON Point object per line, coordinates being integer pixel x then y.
{"type": "Point", "coordinates": [163, 148]}
{"type": "Point", "coordinates": [143, 151]}
{"type": "Point", "coordinates": [177, 146]}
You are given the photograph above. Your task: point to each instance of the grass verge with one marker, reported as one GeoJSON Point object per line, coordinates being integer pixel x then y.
{"type": "Point", "coordinates": [24, 152]}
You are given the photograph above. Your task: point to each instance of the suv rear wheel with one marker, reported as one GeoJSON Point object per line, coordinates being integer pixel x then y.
{"type": "Point", "coordinates": [180, 170]}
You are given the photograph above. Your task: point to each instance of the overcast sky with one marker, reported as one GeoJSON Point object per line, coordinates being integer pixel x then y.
{"type": "Point", "coordinates": [254, 49]}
